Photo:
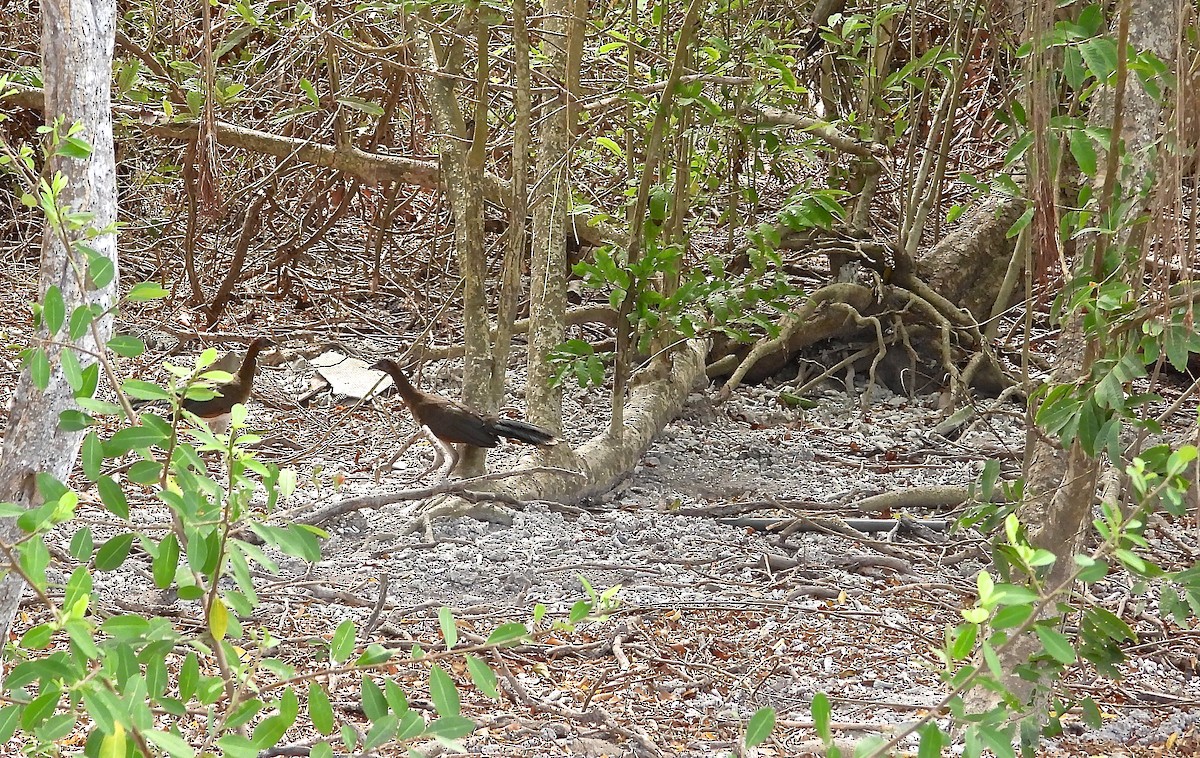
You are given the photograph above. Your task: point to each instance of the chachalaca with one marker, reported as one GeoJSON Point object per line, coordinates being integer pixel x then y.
{"type": "Point", "coordinates": [446, 422]}
{"type": "Point", "coordinates": [215, 410]}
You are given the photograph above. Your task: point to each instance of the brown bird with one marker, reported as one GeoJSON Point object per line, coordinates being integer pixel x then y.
{"type": "Point", "coordinates": [215, 410]}
{"type": "Point", "coordinates": [446, 422]}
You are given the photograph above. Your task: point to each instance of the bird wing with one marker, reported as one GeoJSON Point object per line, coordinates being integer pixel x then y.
{"type": "Point", "coordinates": [452, 422]}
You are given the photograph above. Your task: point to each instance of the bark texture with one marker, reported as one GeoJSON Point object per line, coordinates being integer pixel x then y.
{"type": "Point", "coordinates": [1061, 484]}
{"type": "Point", "coordinates": [77, 50]}
{"type": "Point", "coordinates": [968, 266]}
{"type": "Point", "coordinates": [548, 262]}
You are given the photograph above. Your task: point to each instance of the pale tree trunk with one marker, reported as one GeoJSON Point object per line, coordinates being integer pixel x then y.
{"type": "Point", "coordinates": [462, 170]}
{"type": "Point", "coordinates": [548, 262]}
{"type": "Point", "coordinates": [468, 233]}
{"type": "Point", "coordinates": [77, 50]}
{"type": "Point", "coordinates": [1061, 484]}
{"type": "Point", "coordinates": [514, 253]}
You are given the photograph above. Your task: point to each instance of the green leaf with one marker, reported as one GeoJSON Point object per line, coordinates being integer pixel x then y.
{"type": "Point", "coordinates": [81, 319]}
{"type": "Point", "coordinates": [74, 147]}
{"type": "Point", "coordinates": [451, 727]}
{"type": "Point", "coordinates": [271, 729]}
{"type": "Point", "coordinates": [443, 692]}
{"type": "Point", "coordinates": [1011, 616]}
{"type": "Point", "coordinates": [189, 677]}
{"type": "Point", "coordinates": [321, 750]}
{"type": "Point", "coordinates": [1109, 624]}
{"type": "Point", "coordinates": [39, 369]}
{"type": "Point", "coordinates": [57, 727]}
{"type": "Point", "coordinates": [1100, 54]}
{"type": "Point", "coordinates": [100, 270]}
{"type": "Point", "coordinates": [483, 676]}
{"type": "Point", "coordinates": [81, 545]}
{"type": "Point", "coordinates": [9, 718]}
{"type": "Point", "coordinates": [963, 641]}
{"type": "Point", "coordinates": [35, 557]}
{"type": "Point", "coordinates": [295, 540]}
{"type": "Point", "coordinates": [237, 746]}
{"type": "Point", "coordinates": [1131, 560]}
{"type": "Point", "coordinates": [509, 633]}
{"type": "Point", "coordinates": [760, 726]}
{"type": "Point", "coordinates": [37, 638]}
{"type": "Point", "coordinates": [342, 646]}
{"type": "Point", "coordinates": [144, 390]}
{"type": "Point", "coordinates": [173, 744]}
{"type": "Point", "coordinates": [396, 700]}
{"type": "Point", "coordinates": [40, 708]}
{"type": "Point", "coordinates": [127, 346]}
{"type": "Point", "coordinates": [114, 552]}
{"type": "Point", "coordinates": [1083, 151]}
{"type": "Point", "coordinates": [411, 725]}
{"type": "Point", "coordinates": [113, 497]}
{"type": "Point", "coordinates": [132, 438]}
{"type": "Point", "coordinates": [245, 711]}
{"type": "Point", "coordinates": [147, 291]}
{"type": "Point", "coordinates": [144, 472]}
{"type": "Point", "coordinates": [126, 627]}
{"type": "Point", "coordinates": [166, 563]}
{"type": "Point", "coordinates": [373, 655]}
{"type": "Point", "coordinates": [821, 711]}
{"type": "Point", "coordinates": [79, 588]}
{"type": "Point", "coordinates": [91, 456]}
{"type": "Point", "coordinates": [83, 637]}
{"type": "Point", "coordinates": [449, 629]}
{"type": "Point", "coordinates": [72, 420]}
{"type": "Point", "coordinates": [72, 371]}
{"type": "Point", "coordinates": [97, 407]}
{"type": "Point", "coordinates": [54, 311]}
{"type": "Point", "coordinates": [361, 105]}
{"type": "Point", "coordinates": [382, 730]}
{"type": "Point", "coordinates": [319, 709]}
{"type": "Point", "coordinates": [611, 146]}
{"type": "Point", "coordinates": [310, 92]}
{"type": "Point", "coordinates": [1056, 644]}
{"type": "Point", "coordinates": [373, 701]}
{"type": "Point", "coordinates": [156, 677]}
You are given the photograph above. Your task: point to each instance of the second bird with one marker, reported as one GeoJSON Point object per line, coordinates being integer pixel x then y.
{"type": "Point", "coordinates": [215, 410]}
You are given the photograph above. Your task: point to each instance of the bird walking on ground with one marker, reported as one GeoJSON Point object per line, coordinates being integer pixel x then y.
{"type": "Point", "coordinates": [445, 422]}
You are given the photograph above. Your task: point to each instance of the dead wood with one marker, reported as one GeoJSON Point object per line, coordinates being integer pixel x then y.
{"type": "Point", "coordinates": [249, 227]}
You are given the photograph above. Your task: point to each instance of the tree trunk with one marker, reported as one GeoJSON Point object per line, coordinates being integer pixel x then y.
{"type": "Point", "coordinates": [77, 50]}
{"type": "Point", "coordinates": [1061, 484]}
{"type": "Point", "coordinates": [547, 269]}
{"type": "Point", "coordinates": [462, 169]}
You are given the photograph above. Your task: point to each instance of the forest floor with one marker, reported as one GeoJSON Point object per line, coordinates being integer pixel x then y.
{"type": "Point", "coordinates": [717, 615]}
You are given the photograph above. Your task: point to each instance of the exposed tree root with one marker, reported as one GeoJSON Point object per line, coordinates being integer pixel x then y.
{"type": "Point", "coordinates": [847, 310]}
{"type": "Point", "coordinates": [599, 462]}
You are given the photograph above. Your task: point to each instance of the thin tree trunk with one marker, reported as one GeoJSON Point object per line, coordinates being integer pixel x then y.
{"type": "Point", "coordinates": [514, 254]}
{"type": "Point", "coordinates": [548, 263]}
{"type": "Point", "coordinates": [472, 258]}
{"type": "Point", "coordinates": [77, 50]}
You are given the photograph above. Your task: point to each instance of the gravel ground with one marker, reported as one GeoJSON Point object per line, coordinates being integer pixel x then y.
{"type": "Point", "coordinates": [716, 615]}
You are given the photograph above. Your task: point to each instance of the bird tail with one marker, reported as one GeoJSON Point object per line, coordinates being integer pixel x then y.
{"type": "Point", "coordinates": [524, 432]}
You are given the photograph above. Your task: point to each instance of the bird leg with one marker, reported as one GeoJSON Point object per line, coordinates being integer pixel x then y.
{"type": "Point", "coordinates": [391, 462]}
{"type": "Point", "coordinates": [445, 453]}
{"type": "Point", "coordinates": [403, 448]}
